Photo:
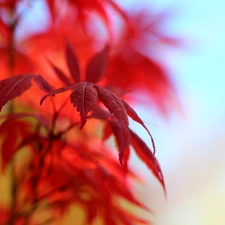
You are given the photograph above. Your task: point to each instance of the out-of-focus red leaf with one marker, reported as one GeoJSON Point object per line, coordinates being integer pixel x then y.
{"type": "Point", "coordinates": [97, 65]}
{"type": "Point", "coordinates": [90, 6]}
{"type": "Point", "coordinates": [72, 63]}
{"type": "Point", "coordinates": [118, 189]}
{"type": "Point", "coordinates": [13, 131]}
{"type": "Point", "coordinates": [8, 147]}
{"type": "Point", "coordinates": [40, 118]}
{"type": "Point", "coordinates": [4, 214]}
{"type": "Point", "coordinates": [130, 70]}
{"type": "Point", "coordinates": [84, 98]}
{"type": "Point", "coordinates": [145, 154]}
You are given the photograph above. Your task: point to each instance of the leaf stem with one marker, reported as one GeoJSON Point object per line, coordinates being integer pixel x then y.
{"type": "Point", "coordinates": [12, 216]}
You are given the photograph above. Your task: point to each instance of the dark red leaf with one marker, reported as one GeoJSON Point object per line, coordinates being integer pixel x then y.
{"type": "Point", "coordinates": [120, 125]}
{"type": "Point", "coordinates": [72, 63]}
{"type": "Point", "coordinates": [126, 158]}
{"type": "Point", "coordinates": [120, 132]}
{"type": "Point", "coordinates": [42, 83]}
{"type": "Point", "coordinates": [122, 137]}
{"type": "Point", "coordinates": [60, 74]}
{"type": "Point", "coordinates": [97, 65]}
{"type": "Point", "coordinates": [84, 98]}
{"type": "Point", "coordinates": [107, 131]}
{"type": "Point", "coordinates": [57, 91]}
{"type": "Point", "coordinates": [113, 104]}
{"type": "Point", "coordinates": [13, 87]}
{"type": "Point", "coordinates": [145, 154]}
{"type": "Point", "coordinates": [131, 112]}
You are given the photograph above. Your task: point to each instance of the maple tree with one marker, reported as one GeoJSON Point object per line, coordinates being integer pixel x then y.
{"type": "Point", "coordinates": [67, 83]}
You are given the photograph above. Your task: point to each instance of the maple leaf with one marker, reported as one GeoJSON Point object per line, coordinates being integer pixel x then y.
{"type": "Point", "coordinates": [42, 83]}
{"type": "Point", "coordinates": [113, 104]}
{"type": "Point", "coordinates": [97, 65]}
{"type": "Point", "coordinates": [72, 63]}
{"type": "Point", "coordinates": [145, 154]}
{"type": "Point", "coordinates": [83, 97]}
{"type": "Point", "coordinates": [40, 119]}
{"type": "Point", "coordinates": [59, 74]}
{"type": "Point", "coordinates": [120, 126]}
{"type": "Point", "coordinates": [131, 112]}
{"type": "Point", "coordinates": [15, 86]}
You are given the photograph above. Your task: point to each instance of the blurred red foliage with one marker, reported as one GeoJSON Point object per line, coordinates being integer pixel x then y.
{"type": "Point", "coordinates": [77, 50]}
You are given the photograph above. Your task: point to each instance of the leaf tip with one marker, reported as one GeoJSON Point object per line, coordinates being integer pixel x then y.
{"type": "Point", "coordinates": [42, 99]}
{"type": "Point", "coordinates": [121, 159]}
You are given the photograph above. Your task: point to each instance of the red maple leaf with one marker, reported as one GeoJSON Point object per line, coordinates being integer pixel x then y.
{"type": "Point", "coordinates": [84, 97]}
{"type": "Point", "coordinates": [85, 94]}
{"type": "Point", "coordinates": [15, 86]}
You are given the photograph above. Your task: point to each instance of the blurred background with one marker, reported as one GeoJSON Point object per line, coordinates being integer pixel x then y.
{"type": "Point", "coordinates": [191, 143]}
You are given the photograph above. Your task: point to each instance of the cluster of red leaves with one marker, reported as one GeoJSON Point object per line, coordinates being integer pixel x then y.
{"type": "Point", "coordinates": [60, 171]}
{"type": "Point", "coordinates": [128, 68]}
